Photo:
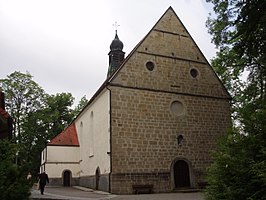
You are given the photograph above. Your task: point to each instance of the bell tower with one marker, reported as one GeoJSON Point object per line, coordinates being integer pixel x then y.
{"type": "Point", "coordinates": [116, 55]}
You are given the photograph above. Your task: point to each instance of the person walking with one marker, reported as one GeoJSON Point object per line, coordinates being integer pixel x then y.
{"type": "Point", "coordinates": [29, 176]}
{"type": "Point", "coordinates": [43, 178]}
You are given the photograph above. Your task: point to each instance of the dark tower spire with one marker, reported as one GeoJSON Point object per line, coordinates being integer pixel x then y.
{"type": "Point", "coordinates": [116, 55]}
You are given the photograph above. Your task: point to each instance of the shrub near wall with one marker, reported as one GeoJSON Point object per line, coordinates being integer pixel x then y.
{"type": "Point", "coordinates": [13, 182]}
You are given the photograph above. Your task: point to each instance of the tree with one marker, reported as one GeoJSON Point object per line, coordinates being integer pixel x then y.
{"type": "Point", "coordinates": [239, 31]}
{"type": "Point", "coordinates": [23, 96]}
{"type": "Point", "coordinates": [82, 103]}
{"type": "Point", "coordinates": [45, 124]}
{"type": "Point", "coordinates": [58, 112]}
{"type": "Point", "coordinates": [38, 117]}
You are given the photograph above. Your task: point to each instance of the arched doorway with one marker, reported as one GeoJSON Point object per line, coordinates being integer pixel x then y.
{"type": "Point", "coordinates": [66, 178]}
{"type": "Point", "coordinates": [181, 174]}
{"type": "Point", "coordinates": [97, 178]}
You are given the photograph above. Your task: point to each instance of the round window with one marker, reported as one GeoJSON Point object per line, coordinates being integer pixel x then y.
{"type": "Point", "coordinates": [150, 65]}
{"type": "Point", "coordinates": [194, 73]}
{"type": "Point", "coordinates": [177, 108]}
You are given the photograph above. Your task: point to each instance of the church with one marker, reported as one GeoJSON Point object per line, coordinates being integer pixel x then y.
{"type": "Point", "coordinates": [151, 125]}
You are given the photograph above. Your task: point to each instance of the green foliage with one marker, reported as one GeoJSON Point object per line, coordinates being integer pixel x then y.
{"type": "Point", "coordinates": [239, 30]}
{"type": "Point", "coordinates": [37, 116]}
{"type": "Point", "coordinates": [45, 124]}
{"type": "Point", "coordinates": [22, 96]}
{"type": "Point", "coordinates": [82, 103]}
{"type": "Point", "coordinates": [238, 171]}
{"type": "Point", "coordinates": [235, 21]}
{"type": "Point", "coordinates": [13, 182]}
{"type": "Point", "coordinates": [58, 112]}
{"type": "Point", "coordinates": [239, 168]}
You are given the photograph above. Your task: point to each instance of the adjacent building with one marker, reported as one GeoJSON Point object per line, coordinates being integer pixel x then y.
{"type": "Point", "coordinates": [5, 119]}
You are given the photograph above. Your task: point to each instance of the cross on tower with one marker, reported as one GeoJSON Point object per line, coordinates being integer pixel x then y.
{"type": "Point", "coordinates": [116, 26]}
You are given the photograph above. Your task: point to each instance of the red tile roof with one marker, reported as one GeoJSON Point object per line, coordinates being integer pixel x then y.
{"type": "Point", "coordinates": [3, 113]}
{"type": "Point", "coordinates": [67, 137]}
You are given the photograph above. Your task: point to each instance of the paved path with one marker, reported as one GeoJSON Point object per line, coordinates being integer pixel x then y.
{"type": "Point", "coordinates": [71, 193]}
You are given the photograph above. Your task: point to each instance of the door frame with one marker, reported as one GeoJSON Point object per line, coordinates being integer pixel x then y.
{"type": "Point", "coordinates": [190, 170]}
{"type": "Point", "coordinates": [70, 177]}
{"type": "Point", "coordinates": [97, 178]}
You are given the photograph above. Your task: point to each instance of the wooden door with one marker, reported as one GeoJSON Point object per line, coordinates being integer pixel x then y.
{"type": "Point", "coordinates": [181, 174]}
{"type": "Point", "coordinates": [67, 178]}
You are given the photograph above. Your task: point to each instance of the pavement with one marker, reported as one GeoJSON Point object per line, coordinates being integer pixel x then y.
{"type": "Point", "coordinates": [80, 193]}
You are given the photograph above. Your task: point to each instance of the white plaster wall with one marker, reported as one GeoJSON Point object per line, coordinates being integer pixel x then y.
{"type": "Point", "coordinates": [55, 170]}
{"type": "Point", "coordinates": [43, 156]}
{"type": "Point", "coordinates": [94, 137]}
{"type": "Point", "coordinates": [61, 158]}
{"type": "Point", "coordinates": [63, 154]}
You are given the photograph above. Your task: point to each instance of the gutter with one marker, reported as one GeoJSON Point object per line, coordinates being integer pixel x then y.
{"type": "Point", "coordinates": [110, 137]}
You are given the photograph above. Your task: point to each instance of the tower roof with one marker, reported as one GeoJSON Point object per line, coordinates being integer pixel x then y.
{"type": "Point", "coordinates": [116, 55]}
{"type": "Point", "coordinates": [116, 43]}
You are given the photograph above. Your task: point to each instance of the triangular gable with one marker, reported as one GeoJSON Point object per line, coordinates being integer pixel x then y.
{"type": "Point", "coordinates": [178, 45]}
{"type": "Point", "coordinates": [68, 137]}
{"type": "Point", "coordinates": [179, 30]}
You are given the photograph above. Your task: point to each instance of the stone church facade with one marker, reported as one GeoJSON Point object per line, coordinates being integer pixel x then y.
{"type": "Point", "coordinates": [154, 120]}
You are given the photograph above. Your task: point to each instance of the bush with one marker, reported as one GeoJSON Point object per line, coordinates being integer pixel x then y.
{"type": "Point", "coordinates": [13, 182]}
{"type": "Point", "coordinates": [238, 170]}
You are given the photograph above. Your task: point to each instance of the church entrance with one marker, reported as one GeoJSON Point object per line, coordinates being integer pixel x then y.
{"type": "Point", "coordinates": [181, 174]}
{"type": "Point", "coordinates": [97, 178]}
{"type": "Point", "coordinates": [66, 178]}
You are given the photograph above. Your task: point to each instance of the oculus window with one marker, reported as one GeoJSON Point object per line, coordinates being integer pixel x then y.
{"type": "Point", "coordinates": [177, 108]}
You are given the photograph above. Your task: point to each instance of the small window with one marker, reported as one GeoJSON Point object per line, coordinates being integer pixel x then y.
{"type": "Point", "coordinates": [150, 65]}
{"type": "Point", "coordinates": [194, 73]}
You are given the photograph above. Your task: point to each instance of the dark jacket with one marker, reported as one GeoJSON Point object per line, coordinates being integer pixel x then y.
{"type": "Point", "coordinates": [43, 178]}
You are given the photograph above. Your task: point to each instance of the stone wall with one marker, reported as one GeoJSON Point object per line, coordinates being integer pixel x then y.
{"type": "Point", "coordinates": [84, 181]}
{"type": "Point", "coordinates": [123, 182]}
{"type": "Point", "coordinates": [145, 127]}
{"type": "Point", "coordinates": [90, 182]}
{"type": "Point", "coordinates": [59, 181]}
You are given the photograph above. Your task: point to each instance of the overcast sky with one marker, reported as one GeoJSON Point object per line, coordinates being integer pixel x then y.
{"type": "Point", "coordinates": [64, 44]}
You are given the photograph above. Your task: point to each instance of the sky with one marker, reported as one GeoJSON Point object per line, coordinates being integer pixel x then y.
{"type": "Point", "coordinates": [64, 44]}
